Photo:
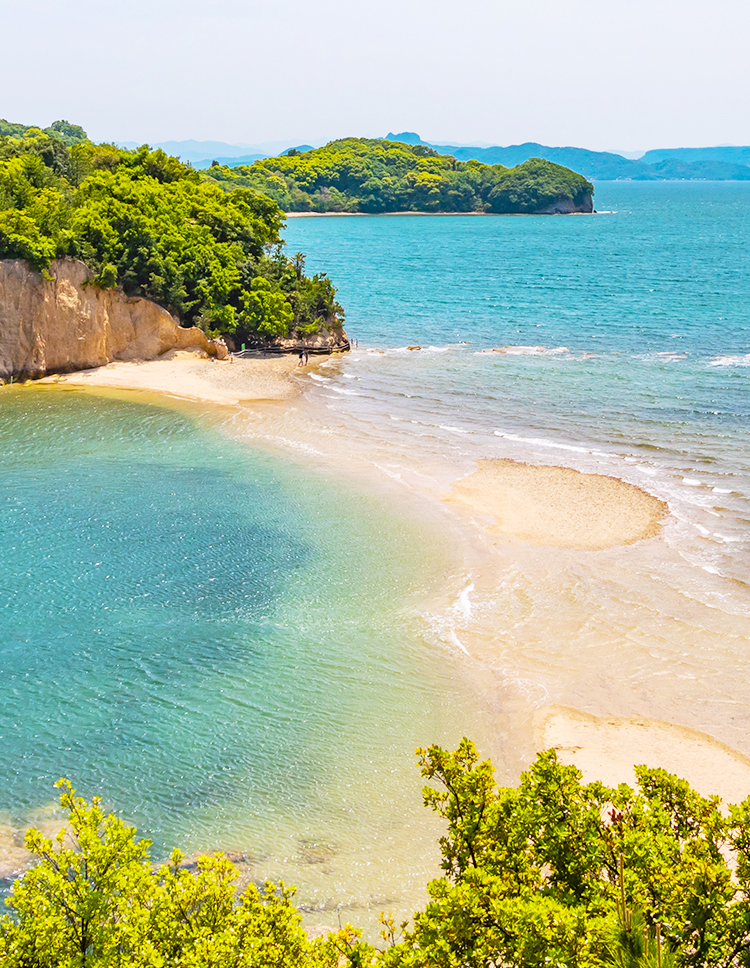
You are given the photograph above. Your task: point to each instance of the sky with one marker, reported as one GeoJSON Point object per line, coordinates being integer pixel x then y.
{"type": "Point", "coordinates": [630, 75]}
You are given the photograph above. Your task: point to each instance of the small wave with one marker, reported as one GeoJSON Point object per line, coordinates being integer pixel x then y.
{"type": "Point", "coordinates": [721, 490]}
{"type": "Point", "coordinates": [692, 482]}
{"type": "Point", "coordinates": [526, 350]}
{"type": "Point", "coordinates": [730, 360]}
{"type": "Point", "coordinates": [663, 356]}
{"type": "Point", "coordinates": [319, 379]}
{"type": "Point", "coordinates": [455, 430]}
{"type": "Point", "coordinates": [552, 444]}
{"type": "Point", "coordinates": [394, 475]}
{"type": "Point", "coordinates": [457, 642]}
{"type": "Point", "coordinates": [344, 392]}
{"type": "Point", "coordinates": [464, 604]}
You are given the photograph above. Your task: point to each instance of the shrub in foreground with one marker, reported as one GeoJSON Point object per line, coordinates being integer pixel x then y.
{"type": "Point", "coordinates": [549, 874]}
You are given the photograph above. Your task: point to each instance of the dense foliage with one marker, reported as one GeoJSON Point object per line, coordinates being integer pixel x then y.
{"type": "Point", "coordinates": [549, 874]}
{"type": "Point", "coordinates": [69, 134]}
{"type": "Point", "coordinates": [93, 899]}
{"type": "Point", "coordinates": [364, 175]}
{"type": "Point", "coordinates": [147, 223]}
{"type": "Point", "coordinates": [556, 873]}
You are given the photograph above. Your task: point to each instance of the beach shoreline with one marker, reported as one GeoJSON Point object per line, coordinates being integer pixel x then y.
{"type": "Point", "coordinates": [506, 504]}
{"type": "Point", "coordinates": [192, 375]}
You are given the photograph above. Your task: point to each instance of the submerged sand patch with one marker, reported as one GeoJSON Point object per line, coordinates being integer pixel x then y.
{"type": "Point", "coordinates": [191, 375]}
{"type": "Point", "coordinates": [559, 506]}
{"type": "Point", "coordinates": [607, 748]}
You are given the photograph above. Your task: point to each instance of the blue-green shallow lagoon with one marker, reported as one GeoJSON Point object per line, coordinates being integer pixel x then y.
{"type": "Point", "coordinates": [220, 642]}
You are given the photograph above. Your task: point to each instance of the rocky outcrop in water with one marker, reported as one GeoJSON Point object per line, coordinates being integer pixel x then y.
{"type": "Point", "coordinates": [324, 341]}
{"type": "Point", "coordinates": [59, 321]}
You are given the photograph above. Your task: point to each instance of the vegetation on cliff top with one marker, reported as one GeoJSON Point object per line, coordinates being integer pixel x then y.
{"type": "Point", "coordinates": [550, 874]}
{"type": "Point", "coordinates": [366, 175]}
{"type": "Point", "coordinates": [145, 222]}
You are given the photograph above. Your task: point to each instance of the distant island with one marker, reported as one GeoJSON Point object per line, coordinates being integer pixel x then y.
{"type": "Point", "coordinates": [147, 225]}
{"type": "Point", "coordinates": [718, 163]}
{"type": "Point", "coordinates": [375, 176]}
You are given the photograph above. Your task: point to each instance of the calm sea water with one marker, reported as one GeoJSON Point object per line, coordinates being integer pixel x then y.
{"type": "Point", "coordinates": [626, 351]}
{"type": "Point", "coordinates": [241, 650]}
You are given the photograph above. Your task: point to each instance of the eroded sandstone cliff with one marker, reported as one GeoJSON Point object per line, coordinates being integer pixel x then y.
{"type": "Point", "coordinates": [65, 323]}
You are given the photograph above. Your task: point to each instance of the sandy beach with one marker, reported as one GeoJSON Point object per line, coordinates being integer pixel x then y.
{"type": "Point", "coordinates": [520, 505]}
{"type": "Point", "coordinates": [607, 748]}
{"type": "Point", "coordinates": [191, 375]}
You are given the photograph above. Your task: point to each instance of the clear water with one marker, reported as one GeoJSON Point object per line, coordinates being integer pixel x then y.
{"type": "Point", "coordinates": [628, 337]}
{"type": "Point", "coordinates": [220, 642]}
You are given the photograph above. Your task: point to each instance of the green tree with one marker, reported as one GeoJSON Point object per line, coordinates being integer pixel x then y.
{"type": "Point", "coordinates": [93, 900]}
{"type": "Point", "coordinates": [265, 312]}
{"type": "Point", "coordinates": [144, 222]}
{"type": "Point", "coordinates": [369, 175]}
{"type": "Point", "coordinates": [555, 872]}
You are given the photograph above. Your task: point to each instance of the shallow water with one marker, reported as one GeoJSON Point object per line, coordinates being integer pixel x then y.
{"type": "Point", "coordinates": [627, 352]}
{"type": "Point", "coordinates": [222, 643]}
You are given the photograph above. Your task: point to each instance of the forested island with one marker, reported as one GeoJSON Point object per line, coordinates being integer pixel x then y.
{"type": "Point", "coordinates": [147, 224]}
{"type": "Point", "coordinates": [375, 176]}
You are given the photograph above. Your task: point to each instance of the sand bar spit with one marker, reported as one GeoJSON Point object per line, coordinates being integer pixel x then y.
{"type": "Point", "coordinates": [559, 506]}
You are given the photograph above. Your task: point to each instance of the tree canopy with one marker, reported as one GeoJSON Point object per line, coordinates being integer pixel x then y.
{"type": "Point", "coordinates": [552, 873]}
{"type": "Point", "coordinates": [143, 221]}
{"type": "Point", "coordinates": [367, 175]}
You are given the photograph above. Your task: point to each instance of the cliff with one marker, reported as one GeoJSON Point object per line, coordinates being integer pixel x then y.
{"type": "Point", "coordinates": [65, 323]}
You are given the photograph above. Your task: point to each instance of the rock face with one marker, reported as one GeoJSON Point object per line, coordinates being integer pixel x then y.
{"type": "Point", "coordinates": [567, 206]}
{"type": "Point", "coordinates": [66, 323]}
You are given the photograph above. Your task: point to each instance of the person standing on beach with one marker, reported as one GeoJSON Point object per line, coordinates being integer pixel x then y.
{"type": "Point", "coordinates": [301, 358]}
{"type": "Point", "coordinates": [307, 357]}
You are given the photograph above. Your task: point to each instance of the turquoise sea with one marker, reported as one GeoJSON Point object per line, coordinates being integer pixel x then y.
{"type": "Point", "coordinates": [239, 645]}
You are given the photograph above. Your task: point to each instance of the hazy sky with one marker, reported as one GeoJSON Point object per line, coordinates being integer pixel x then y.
{"type": "Point", "coordinates": [634, 74]}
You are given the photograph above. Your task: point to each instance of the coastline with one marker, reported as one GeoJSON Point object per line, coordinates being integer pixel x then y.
{"type": "Point", "coordinates": [433, 214]}
{"type": "Point", "coordinates": [596, 746]}
{"type": "Point", "coordinates": [506, 509]}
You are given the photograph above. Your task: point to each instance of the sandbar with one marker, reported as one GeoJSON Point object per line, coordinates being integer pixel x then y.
{"type": "Point", "coordinates": [193, 376]}
{"type": "Point", "coordinates": [607, 748]}
{"type": "Point", "coordinates": [559, 506]}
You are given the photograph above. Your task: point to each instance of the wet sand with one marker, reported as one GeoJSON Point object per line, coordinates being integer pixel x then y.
{"type": "Point", "coordinates": [559, 506]}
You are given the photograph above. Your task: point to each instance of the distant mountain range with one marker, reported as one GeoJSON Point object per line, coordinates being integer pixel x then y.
{"type": "Point", "coordinates": [202, 153]}
{"type": "Point", "coordinates": [722, 163]}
